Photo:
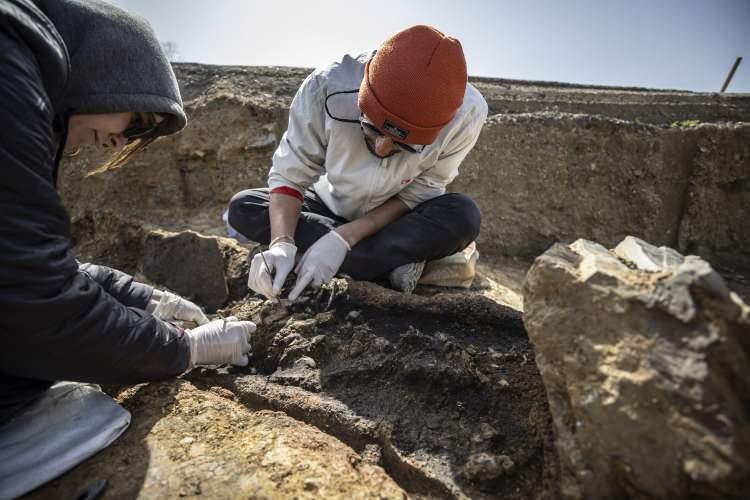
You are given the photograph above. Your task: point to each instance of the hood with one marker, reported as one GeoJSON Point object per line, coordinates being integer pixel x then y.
{"type": "Point", "coordinates": [116, 62]}
{"type": "Point", "coordinates": [24, 19]}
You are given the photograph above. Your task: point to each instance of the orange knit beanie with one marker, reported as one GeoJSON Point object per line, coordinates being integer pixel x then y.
{"type": "Point", "coordinates": [414, 84]}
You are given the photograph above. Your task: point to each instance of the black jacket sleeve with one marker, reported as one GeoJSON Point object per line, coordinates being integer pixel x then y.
{"type": "Point", "coordinates": [55, 322]}
{"type": "Point", "coordinates": [119, 285]}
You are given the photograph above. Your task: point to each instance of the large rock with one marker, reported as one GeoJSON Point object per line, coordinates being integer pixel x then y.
{"type": "Point", "coordinates": [207, 269]}
{"type": "Point", "coordinates": [644, 355]}
{"type": "Point", "coordinates": [187, 263]}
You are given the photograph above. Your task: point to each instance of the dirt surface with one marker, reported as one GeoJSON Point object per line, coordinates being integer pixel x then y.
{"type": "Point", "coordinates": [441, 388]}
{"type": "Point", "coordinates": [442, 391]}
{"type": "Point", "coordinates": [553, 163]}
{"type": "Point", "coordinates": [276, 85]}
{"type": "Point", "coordinates": [188, 443]}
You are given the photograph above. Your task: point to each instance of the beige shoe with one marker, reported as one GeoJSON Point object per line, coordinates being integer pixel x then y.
{"type": "Point", "coordinates": [455, 270]}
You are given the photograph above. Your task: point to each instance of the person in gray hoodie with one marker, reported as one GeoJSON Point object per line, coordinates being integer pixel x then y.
{"type": "Point", "coordinates": [75, 73]}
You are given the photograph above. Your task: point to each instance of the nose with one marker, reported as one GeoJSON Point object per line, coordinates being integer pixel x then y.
{"type": "Point", "coordinates": [383, 145]}
{"type": "Point", "coordinates": [116, 141]}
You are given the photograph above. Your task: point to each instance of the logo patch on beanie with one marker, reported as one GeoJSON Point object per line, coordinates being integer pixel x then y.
{"type": "Point", "coordinates": [395, 130]}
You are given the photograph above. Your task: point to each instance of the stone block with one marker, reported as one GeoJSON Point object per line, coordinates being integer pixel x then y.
{"type": "Point", "coordinates": [644, 355]}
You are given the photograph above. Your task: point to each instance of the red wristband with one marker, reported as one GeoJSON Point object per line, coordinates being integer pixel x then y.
{"type": "Point", "coordinates": [286, 190]}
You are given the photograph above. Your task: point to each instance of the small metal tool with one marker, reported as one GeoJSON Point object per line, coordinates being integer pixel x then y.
{"type": "Point", "coordinates": [268, 270]}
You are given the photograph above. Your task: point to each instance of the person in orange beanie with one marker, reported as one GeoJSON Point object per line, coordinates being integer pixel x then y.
{"type": "Point", "coordinates": [358, 181]}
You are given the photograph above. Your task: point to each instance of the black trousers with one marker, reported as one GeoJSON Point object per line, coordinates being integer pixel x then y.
{"type": "Point", "coordinates": [432, 230]}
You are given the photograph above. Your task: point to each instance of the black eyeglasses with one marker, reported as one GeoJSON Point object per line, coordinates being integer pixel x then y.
{"type": "Point", "coordinates": [372, 132]}
{"type": "Point", "coordinates": [137, 129]}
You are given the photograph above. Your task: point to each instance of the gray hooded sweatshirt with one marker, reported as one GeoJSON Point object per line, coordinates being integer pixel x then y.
{"type": "Point", "coordinates": [59, 321]}
{"type": "Point", "coordinates": [116, 62]}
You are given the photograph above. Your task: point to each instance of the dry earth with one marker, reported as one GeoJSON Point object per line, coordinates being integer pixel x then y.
{"type": "Point", "coordinates": [359, 392]}
{"type": "Point", "coordinates": [185, 442]}
{"type": "Point", "coordinates": [437, 395]}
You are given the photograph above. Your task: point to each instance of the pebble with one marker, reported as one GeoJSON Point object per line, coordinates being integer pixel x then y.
{"type": "Point", "coordinates": [355, 349]}
{"type": "Point", "coordinates": [353, 314]}
{"type": "Point", "coordinates": [433, 422]}
{"type": "Point", "coordinates": [487, 466]}
{"type": "Point", "coordinates": [372, 454]}
{"type": "Point", "coordinates": [305, 362]}
{"type": "Point", "coordinates": [487, 431]}
{"type": "Point", "coordinates": [272, 315]}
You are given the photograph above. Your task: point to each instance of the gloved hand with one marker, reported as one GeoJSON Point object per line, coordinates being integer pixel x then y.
{"type": "Point", "coordinates": [280, 259]}
{"type": "Point", "coordinates": [174, 307]}
{"type": "Point", "coordinates": [320, 263]}
{"type": "Point", "coordinates": [220, 342]}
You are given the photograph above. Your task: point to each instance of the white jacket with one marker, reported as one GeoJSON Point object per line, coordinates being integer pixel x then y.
{"type": "Point", "coordinates": [324, 147]}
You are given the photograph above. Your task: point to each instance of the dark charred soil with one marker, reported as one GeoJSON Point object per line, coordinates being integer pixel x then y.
{"type": "Point", "coordinates": [442, 391]}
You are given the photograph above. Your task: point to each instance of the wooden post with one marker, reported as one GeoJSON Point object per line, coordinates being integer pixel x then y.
{"type": "Point", "coordinates": [730, 75]}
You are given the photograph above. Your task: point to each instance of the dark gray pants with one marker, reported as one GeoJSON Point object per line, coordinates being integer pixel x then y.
{"type": "Point", "coordinates": [434, 229]}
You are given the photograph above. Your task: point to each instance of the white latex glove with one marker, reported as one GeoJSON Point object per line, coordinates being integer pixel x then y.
{"type": "Point", "coordinates": [220, 342]}
{"type": "Point", "coordinates": [320, 263]}
{"type": "Point", "coordinates": [174, 307]}
{"type": "Point", "coordinates": [280, 260]}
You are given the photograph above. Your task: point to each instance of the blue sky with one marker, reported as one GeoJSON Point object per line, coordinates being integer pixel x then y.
{"type": "Point", "coordinates": [675, 44]}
